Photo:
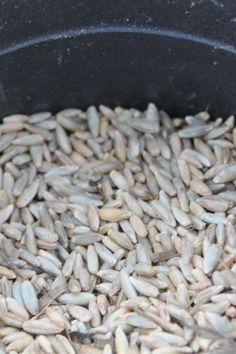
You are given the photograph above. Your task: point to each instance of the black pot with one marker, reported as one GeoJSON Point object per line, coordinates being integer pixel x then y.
{"type": "Point", "coordinates": [66, 53]}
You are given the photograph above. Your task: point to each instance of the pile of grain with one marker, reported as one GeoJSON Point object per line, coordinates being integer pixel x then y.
{"type": "Point", "coordinates": [117, 233]}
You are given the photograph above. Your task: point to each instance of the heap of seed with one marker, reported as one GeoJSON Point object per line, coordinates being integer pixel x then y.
{"type": "Point", "coordinates": [117, 233]}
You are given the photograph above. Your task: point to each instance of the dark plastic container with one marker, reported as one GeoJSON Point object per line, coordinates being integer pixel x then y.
{"type": "Point", "coordinates": [66, 53]}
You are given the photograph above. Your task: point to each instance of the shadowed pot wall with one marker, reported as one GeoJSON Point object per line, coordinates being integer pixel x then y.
{"type": "Point", "coordinates": [180, 54]}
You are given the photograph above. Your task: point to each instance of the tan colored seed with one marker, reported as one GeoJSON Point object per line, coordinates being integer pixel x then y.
{"type": "Point", "coordinates": [138, 225]}
{"type": "Point", "coordinates": [11, 319]}
{"type": "Point", "coordinates": [63, 140]}
{"type": "Point", "coordinates": [93, 218]}
{"type": "Point", "coordinates": [16, 308]}
{"type": "Point", "coordinates": [6, 272]}
{"type": "Point", "coordinates": [42, 326]}
{"type": "Point", "coordinates": [20, 344]}
{"type": "Point", "coordinates": [200, 187]}
{"type": "Point", "coordinates": [119, 146]}
{"type": "Point", "coordinates": [11, 127]}
{"type": "Point", "coordinates": [56, 316]}
{"type": "Point", "coordinates": [113, 214]}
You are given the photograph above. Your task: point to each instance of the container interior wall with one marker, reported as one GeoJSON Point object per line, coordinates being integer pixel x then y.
{"type": "Point", "coordinates": [67, 54]}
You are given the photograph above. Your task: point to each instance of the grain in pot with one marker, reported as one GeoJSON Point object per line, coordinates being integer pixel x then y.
{"type": "Point", "coordinates": [117, 232]}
